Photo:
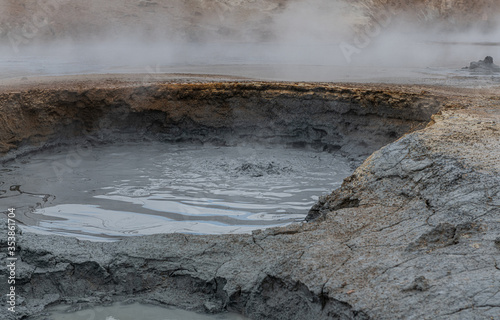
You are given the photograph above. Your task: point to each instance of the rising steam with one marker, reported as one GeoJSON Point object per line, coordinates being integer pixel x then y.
{"type": "Point", "coordinates": [144, 33]}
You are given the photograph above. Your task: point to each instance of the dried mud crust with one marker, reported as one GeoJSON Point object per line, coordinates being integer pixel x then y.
{"type": "Point", "coordinates": [414, 233]}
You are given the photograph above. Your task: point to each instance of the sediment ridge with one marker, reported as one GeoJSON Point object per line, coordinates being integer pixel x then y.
{"type": "Point", "coordinates": [350, 120]}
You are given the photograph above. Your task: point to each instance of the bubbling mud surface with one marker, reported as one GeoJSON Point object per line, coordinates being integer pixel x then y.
{"type": "Point", "coordinates": [134, 311]}
{"type": "Point", "coordinates": [113, 191]}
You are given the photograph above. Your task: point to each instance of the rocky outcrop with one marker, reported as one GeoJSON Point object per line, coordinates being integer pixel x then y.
{"type": "Point", "coordinates": [485, 65]}
{"type": "Point", "coordinates": [412, 234]}
{"type": "Point", "coordinates": [426, 212]}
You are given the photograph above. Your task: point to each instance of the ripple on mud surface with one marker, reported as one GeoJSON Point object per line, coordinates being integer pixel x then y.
{"type": "Point", "coordinates": [104, 192]}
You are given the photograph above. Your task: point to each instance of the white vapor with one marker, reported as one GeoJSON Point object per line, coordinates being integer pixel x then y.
{"type": "Point", "coordinates": [91, 36]}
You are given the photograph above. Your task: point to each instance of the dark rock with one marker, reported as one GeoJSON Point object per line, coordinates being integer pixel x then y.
{"type": "Point", "coordinates": [484, 65]}
{"type": "Point", "coordinates": [419, 284]}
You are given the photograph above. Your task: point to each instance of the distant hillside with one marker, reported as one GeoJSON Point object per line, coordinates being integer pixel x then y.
{"type": "Point", "coordinates": [33, 21]}
{"type": "Point", "coordinates": [451, 14]}
{"type": "Point", "coordinates": [174, 19]}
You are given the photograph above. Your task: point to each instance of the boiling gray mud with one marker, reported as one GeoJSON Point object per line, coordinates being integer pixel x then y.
{"type": "Point", "coordinates": [133, 312]}
{"type": "Point", "coordinates": [108, 192]}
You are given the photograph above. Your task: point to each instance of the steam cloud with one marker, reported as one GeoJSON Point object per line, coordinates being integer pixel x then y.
{"type": "Point", "coordinates": [127, 34]}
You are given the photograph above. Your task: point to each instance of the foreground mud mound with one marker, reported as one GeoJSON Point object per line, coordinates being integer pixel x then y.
{"type": "Point", "coordinates": [414, 233]}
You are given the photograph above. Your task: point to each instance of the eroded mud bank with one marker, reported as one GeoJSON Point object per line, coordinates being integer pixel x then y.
{"type": "Point", "coordinates": [413, 233]}
{"type": "Point", "coordinates": [354, 121]}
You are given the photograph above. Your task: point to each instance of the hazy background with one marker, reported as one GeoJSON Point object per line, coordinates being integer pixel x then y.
{"type": "Point", "coordinates": [76, 36]}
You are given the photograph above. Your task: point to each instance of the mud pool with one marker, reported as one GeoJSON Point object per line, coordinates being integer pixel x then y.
{"type": "Point", "coordinates": [108, 192]}
{"type": "Point", "coordinates": [134, 311]}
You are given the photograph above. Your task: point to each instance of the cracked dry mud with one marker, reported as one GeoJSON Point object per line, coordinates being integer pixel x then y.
{"type": "Point", "coordinates": [413, 234]}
